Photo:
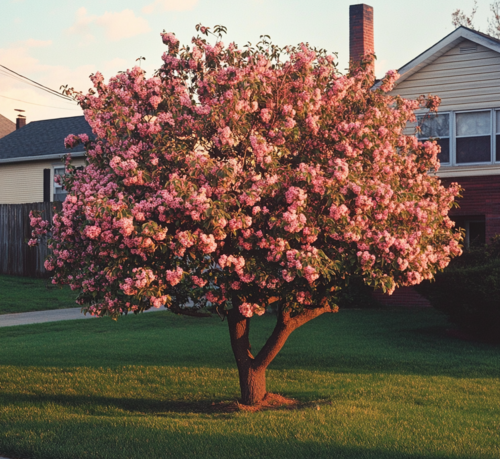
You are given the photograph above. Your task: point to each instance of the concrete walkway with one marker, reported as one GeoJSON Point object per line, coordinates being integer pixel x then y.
{"type": "Point", "coordinates": [54, 315]}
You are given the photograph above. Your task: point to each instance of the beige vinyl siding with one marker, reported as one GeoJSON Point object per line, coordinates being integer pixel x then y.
{"type": "Point", "coordinates": [22, 183]}
{"type": "Point", "coordinates": [463, 81]}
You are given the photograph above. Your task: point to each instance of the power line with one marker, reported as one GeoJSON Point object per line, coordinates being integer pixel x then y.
{"type": "Point", "coordinates": [45, 88]}
{"type": "Point", "coordinates": [40, 105]}
{"type": "Point", "coordinates": [2, 72]}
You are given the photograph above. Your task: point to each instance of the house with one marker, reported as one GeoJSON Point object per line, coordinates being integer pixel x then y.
{"type": "Point", "coordinates": [30, 157]}
{"type": "Point", "coordinates": [6, 126]}
{"type": "Point", "coordinates": [463, 69]}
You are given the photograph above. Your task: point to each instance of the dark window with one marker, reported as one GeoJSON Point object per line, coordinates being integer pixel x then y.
{"type": "Point", "coordinates": [475, 229]}
{"type": "Point", "coordinates": [473, 149]}
{"type": "Point", "coordinates": [498, 147]}
{"type": "Point", "coordinates": [497, 131]}
{"type": "Point", "coordinates": [436, 127]}
{"type": "Point", "coordinates": [473, 137]}
{"type": "Point", "coordinates": [477, 233]}
{"type": "Point", "coordinates": [444, 156]}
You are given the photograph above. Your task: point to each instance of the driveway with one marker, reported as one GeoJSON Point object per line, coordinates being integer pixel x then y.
{"type": "Point", "coordinates": [54, 315]}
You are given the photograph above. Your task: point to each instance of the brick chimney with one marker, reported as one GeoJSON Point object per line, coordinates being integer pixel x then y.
{"type": "Point", "coordinates": [361, 39]}
{"type": "Point", "coordinates": [21, 119]}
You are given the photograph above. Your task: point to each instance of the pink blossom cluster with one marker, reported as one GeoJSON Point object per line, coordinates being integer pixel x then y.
{"type": "Point", "coordinates": [248, 309]}
{"type": "Point", "coordinates": [268, 177]}
{"type": "Point", "coordinates": [174, 276]}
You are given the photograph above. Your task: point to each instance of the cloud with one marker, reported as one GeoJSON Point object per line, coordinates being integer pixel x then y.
{"type": "Point", "coordinates": [169, 5]}
{"type": "Point", "coordinates": [38, 103]}
{"type": "Point", "coordinates": [381, 67]}
{"type": "Point", "coordinates": [32, 43]}
{"type": "Point", "coordinates": [116, 25]}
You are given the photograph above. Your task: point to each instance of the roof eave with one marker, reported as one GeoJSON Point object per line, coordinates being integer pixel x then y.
{"type": "Point", "coordinates": [443, 46]}
{"type": "Point", "coordinates": [77, 154]}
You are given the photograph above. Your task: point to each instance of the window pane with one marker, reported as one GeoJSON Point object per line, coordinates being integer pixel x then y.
{"type": "Point", "coordinates": [60, 195]}
{"type": "Point", "coordinates": [473, 124]}
{"type": "Point", "coordinates": [444, 156]}
{"type": "Point", "coordinates": [474, 149]}
{"type": "Point", "coordinates": [498, 147]}
{"type": "Point", "coordinates": [477, 234]}
{"type": "Point", "coordinates": [497, 113]}
{"type": "Point", "coordinates": [434, 126]}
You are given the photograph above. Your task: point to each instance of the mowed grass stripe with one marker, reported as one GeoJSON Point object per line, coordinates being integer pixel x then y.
{"type": "Point", "coordinates": [25, 294]}
{"type": "Point", "coordinates": [371, 384]}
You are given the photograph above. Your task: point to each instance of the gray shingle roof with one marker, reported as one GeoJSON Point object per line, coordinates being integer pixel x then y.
{"type": "Point", "coordinates": [41, 138]}
{"type": "Point", "coordinates": [6, 126]}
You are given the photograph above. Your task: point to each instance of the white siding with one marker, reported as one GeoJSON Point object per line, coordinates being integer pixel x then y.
{"type": "Point", "coordinates": [22, 183]}
{"type": "Point", "coordinates": [464, 81]}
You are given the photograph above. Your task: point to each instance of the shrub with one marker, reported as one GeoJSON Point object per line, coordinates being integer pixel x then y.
{"type": "Point", "coordinates": [468, 291]}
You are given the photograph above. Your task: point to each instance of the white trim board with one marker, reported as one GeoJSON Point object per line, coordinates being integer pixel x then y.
{"type": "Point", "coordinates": [78, 154]}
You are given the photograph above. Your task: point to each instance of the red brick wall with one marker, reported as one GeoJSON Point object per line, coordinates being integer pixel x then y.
{"type": "Point", "coordinates": [481, 196]}
{"type": "Point", "coordinates": [360, 31]}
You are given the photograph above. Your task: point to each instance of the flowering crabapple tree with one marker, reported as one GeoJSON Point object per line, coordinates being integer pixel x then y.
{"type": "Point", "coordinates": [234, 178]}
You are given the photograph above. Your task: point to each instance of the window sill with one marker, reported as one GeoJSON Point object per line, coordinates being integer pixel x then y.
{"type": "Point", "coordinates": [469, 171]}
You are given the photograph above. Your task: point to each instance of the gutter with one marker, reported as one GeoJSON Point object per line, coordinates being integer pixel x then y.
{"type": "Point", "coordinates": [78, 154]}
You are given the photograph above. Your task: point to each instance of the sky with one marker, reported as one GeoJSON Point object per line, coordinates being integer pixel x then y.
{"type": "Point", "coordinates": [61, 43]}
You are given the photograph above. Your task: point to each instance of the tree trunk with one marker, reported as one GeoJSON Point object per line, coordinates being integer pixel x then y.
{"type": "Point", "coordinates": [252, 385]}
{"type": "Point", "coordinates": [252, 380]}
{"type": "Point", "coordinates": [252, 370]}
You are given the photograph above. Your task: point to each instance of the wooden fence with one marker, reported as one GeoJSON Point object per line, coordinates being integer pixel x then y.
{"type": "Point", "coordinates": [16, 257]}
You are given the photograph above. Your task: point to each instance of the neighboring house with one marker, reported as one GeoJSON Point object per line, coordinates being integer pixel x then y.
{"type": "Point", "coordinates": [30, 157]}
{"type": "Point", "coordinates": [463, 69]}
{"type": "Point", "coordinates": [6, 126]}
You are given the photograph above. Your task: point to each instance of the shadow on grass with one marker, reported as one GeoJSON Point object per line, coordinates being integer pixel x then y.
{"type": "Point", "coordinates": [95, 405]}
{"type": "Point", "coordinates": [386, 342]}
{"type": "Point", "coordinates": [100, 440]}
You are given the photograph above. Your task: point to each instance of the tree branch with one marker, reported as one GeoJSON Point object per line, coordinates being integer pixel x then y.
{"type": "Point", "coordinates": [285, 325]}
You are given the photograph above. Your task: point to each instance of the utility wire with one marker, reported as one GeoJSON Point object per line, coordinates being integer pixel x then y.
{"type": "Point", "coordinates": [45, 88]}
{"type": "Point", "coordinates": [40, 105]}
{"type": "Point", "coordinates": [2, 72]}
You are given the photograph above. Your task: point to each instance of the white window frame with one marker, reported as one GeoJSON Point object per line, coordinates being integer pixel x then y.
{"type": "Point", "coordinates": [453, 137]}
{"type": "Point", "coordinates": [56, 187]}
{"type": "Point", "coordinates": [450, 133]}
{"type": "Point", "coordinates": [492, 129]}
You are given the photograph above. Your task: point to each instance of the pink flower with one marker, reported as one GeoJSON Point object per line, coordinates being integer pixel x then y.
{"type": "Point", "coordinates": [175, 276]}
{"type": "Point", "coordinates": [92, 232]}
{"type": "Point", "coordinates": [248, 309]}
{"type": "Point", "coordinates": [198, 281]}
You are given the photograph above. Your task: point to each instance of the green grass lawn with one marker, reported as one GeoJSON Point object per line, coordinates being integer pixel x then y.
{"type": "Point", "coordinates": [371, 384]}
{"type": "Point", "coordinates": [25, 294]}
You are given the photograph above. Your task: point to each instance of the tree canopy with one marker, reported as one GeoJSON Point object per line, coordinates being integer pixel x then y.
{"type": "Point", "coordinates": [238, 177]}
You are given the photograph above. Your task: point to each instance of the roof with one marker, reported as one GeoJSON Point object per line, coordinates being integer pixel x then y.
{"type": "Point", "coordinates": [6, 126]}
{"type": "Point", "coordinates": [43, 139]}
{"type": "Point", "coordinates": [443, 46]}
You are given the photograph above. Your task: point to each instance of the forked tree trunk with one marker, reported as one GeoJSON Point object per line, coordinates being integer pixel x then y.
{"type": "Point", "coordinates": [252, 370]}
{"type": "Point", "coordinates": [252, 380]}
{"type": "Point", "coordinates": [253, 385]}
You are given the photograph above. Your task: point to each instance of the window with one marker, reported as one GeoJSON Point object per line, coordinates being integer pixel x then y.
{"type": "Point", "coordinates": [497, 132]}
{"type": "Point", "coordinates": [475, 230]}
{"type": "Point", "coordinates": [437, 126]}
{"type": "Point", "coordinates": [473, 134]}
{"type": "Point", "coordinates": [465, 138]}
{"type": "Point", "coordinates": [59, 192]}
